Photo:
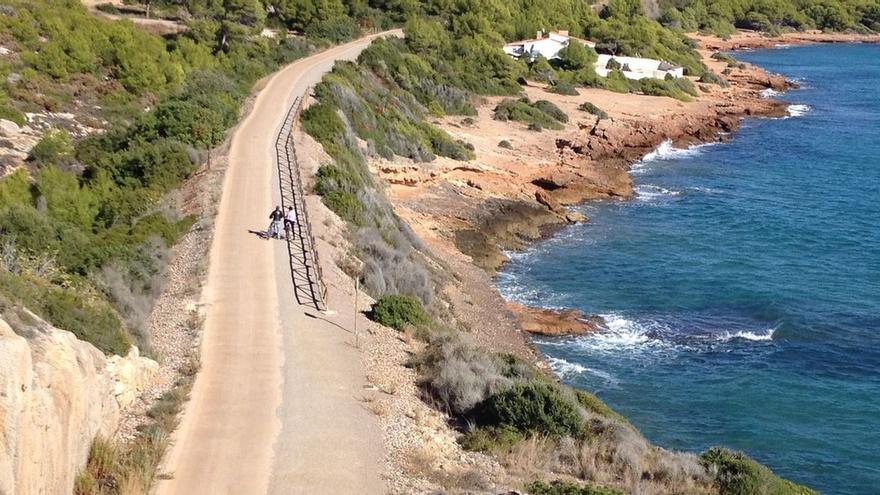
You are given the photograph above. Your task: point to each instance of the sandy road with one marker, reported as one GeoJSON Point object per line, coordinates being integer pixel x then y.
{"type": "Point", "coordinates": [274, 406]}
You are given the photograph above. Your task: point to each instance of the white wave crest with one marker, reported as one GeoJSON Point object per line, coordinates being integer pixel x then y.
{"type": "Point", "coordinates": [620, 333]}
{"type": "Point", "coordinates": [649, 192]}
{"type": "Point", "coordinates": [563, 368]}
{"type": "Point", "coordinates": [666, 151]}
{"type": "Point", "coordinates": [798, 110]}
{"type": "Point", "coordinates": [766, 336]}
{"type": "Point", "coordinates": [769, 93]}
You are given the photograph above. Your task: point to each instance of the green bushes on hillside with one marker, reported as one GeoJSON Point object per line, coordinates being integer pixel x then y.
{"type": "Point", "coordinates": [66, 308]}
{"type": "Point", "coordinates": [569, 488]}
{"type": "Point", "coordinates": [593, 109]}
{"type": "Point", "coordinates": [531, 408]}
{"type": "Point", "coordinates": [398, 312]}
{"type": "Point", "coordinates": [773, 17]}
{"type": "Point", "coordinates": [738, 474]}
{"type": "Point", "coordinates": [541, 114]}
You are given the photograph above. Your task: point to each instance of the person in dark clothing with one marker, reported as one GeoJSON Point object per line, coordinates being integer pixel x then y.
{"type": "Point", "coordinates": [275, 226]}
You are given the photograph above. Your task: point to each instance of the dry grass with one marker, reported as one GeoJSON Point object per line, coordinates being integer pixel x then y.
{"type": "Point", "coordinates": [130, 468]}
{"type": "Point", "coordinates": [430, 466]}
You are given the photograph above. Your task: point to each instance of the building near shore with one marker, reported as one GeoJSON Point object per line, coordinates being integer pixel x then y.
{"type": "Point", "coordinates": [547, 46]}
{"type": "Point", "coordinates": [634, 68]}
{"type": "Point", "coordinates": [637, 67]}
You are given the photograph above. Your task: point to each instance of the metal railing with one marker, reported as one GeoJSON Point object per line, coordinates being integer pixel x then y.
{"type": "Point", "coordinates": [302, 248]}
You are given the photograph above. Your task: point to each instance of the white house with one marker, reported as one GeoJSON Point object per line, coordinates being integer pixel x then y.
{"type": "Point", "coordinates": [638, 68]}
{"type": "Point", "coordinates": [548, 46]}
{"type": "Point", "coordinates": [632, 67]}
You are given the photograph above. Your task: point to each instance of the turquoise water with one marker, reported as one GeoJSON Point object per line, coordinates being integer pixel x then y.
{"type": "Point", "coordinates": [742, 285]}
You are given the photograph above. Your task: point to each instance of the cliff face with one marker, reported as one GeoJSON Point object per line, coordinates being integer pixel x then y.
{"type": "Point", "coordinates": [56, 394]}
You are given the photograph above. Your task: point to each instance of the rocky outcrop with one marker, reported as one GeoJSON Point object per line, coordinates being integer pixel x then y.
{"type": "Point", "coordinates": [56, 394]}
{"type": "Point", "coordinates": [555, 323]}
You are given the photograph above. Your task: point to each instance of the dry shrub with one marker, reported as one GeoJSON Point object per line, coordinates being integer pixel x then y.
{"type": "Point", "coordinates": [531, 457]}
{"type": "Point", "coordinates": [459, 375]}
{"type": "Point", "coordinates": [616, 454]}
{"type": "Point", "coordinates": [392, 267]}
{"type": "Point", "coordinates": [134, 287]}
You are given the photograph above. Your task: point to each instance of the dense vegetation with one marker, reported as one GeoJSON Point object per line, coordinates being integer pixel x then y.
{"type": "Point", "coordinates": [772, 16]}
{"type": "Point", "coordinates": [85, 228]}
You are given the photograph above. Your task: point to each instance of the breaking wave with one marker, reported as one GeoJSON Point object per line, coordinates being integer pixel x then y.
{"type": "Point", "coordinates": [649, 192]}
{"type": "Point", "coordinates": [666, 151]}
{"type": "Point", "coordinates": [766, 336]}
{"type": "Point", "coordinates": [798, 110]}
{"type": "Point", "coordinates": [769, 93]}
{"type": "Point", "coordinates": [564, 369]}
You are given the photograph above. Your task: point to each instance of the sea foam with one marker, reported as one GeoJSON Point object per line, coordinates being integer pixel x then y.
{"type": "Point", "coordinates": [650, 192]}
{"type": "Point", "coordinates": [769, 93]}
{"type": "Point", "coordinates": [666, 151]}
{"type": "Point", "coordinates": [798, 110]}
{"type": "Point", "coordinates": [564, 369]}
{"type": "Point", "coordinates": [766, 336]}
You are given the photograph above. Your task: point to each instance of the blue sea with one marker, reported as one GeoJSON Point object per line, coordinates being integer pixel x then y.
{"type": "Point", "coordinates": [742, 285]}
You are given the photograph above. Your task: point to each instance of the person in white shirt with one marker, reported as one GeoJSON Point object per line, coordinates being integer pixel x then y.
{"type": "Point", "coordinates": [289, 220]}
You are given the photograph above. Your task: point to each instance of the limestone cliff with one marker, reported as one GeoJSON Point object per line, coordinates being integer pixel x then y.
{"type": "Point", "coordinates": [56, 394]}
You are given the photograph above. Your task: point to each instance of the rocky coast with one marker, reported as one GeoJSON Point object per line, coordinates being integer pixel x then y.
{"type": "Point", "coordinates": [519, 187]}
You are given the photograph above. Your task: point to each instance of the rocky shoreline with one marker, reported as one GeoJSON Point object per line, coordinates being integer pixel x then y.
{"type": "Point", "coordinates": [509, 198]}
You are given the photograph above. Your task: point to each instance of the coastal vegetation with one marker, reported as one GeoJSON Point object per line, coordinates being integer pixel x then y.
{"type": "Point", "coordinates": [773, 17]}
{"type": "Point", "coordinates": [86, 223]}
{"type": "Point", "coordinates": [445, 64]}
{"type": "Point", "coordinates": [538, 115]}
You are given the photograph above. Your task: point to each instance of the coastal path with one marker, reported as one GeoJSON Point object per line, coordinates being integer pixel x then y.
{"type": "Point", "coordinates": [274, 408]}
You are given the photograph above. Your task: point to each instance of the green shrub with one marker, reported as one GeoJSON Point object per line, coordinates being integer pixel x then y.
{"type": "Point", "coordinates": [723, 57]}
{"type": "Point", "coordinates": [560, 487]}
{"type": "Point", "coordinates": [551, 109]}
{"type": "Point", "coordinates": [52, 147]}
{"type": "Point", "coordinates": [593, 109]}
{"type": "Point", "coordinates": [92, 321]}
{"type": "Point", "coordinates": [680, 89]}
{"type": "Point", "coordinates": [505, 144]}
{"type": "Point", "coordinates": [738, 474]}
{"type": "Point", "coordinates": [490, 440]}
{"type": "Point", "coordinates": [575, 56]}
{"type": "Point", "coordinates": [399, 311]}
{"type": "Point", "coordinates": [15, 189]}
{"type": "Point", "coordinates": [525, 111]}
{"type": "Point", "coordinates": [10, 113]}
{"type": "Point", "coordinates": [713, 78]}
{"type": "Point", "coordinates": [531, 407]}
{"type": "Point", "coordinates": [563, 88]}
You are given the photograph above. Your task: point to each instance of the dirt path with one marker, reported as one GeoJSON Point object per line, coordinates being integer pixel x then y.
{"type": "Point", "coordinates": [275, 406]}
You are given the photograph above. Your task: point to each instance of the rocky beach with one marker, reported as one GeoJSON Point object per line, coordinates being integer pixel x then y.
{"type": "Point", "coordinates": [519, 187]}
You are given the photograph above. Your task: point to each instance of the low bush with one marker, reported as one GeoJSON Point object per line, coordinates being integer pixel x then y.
{"type": "Point", "coordinates": [563, 88]}
{"type": "Point", "coordinates": [10, 113]}
{"type": "Point", "coordinates": [67, 309]}
{"type": "Point", "coordinates": [398, 311]}
{"type": "Point", "coordinates": [457, 375]}
{"type": "Point", "coordinates": [490, 440]}
{"type": "Point", "coordinates": [532, 407]}
{"type": "Point", "coordinates": [738, 474]}
{"type": "Point", "coordinates": [713, 78]}
{"type": "Point", "coordinates": [52, 147]}
{"type": "Point", "coordinates": [551, 109]}
{"type": "Point", "coordinates": [535, 115]}
{"type": "Point", "coordinates": [723, 57]}
{"type": "Point", "coordinates": [593, 109]}
{"type": "Point", "coordinates": [505, 144]}
{"type": "Point", "coordinates": [559, 487]}
{"type": "Point", "coordinates": [594, 404]}
{"type": "Point", "coordinates": [680, 88]}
